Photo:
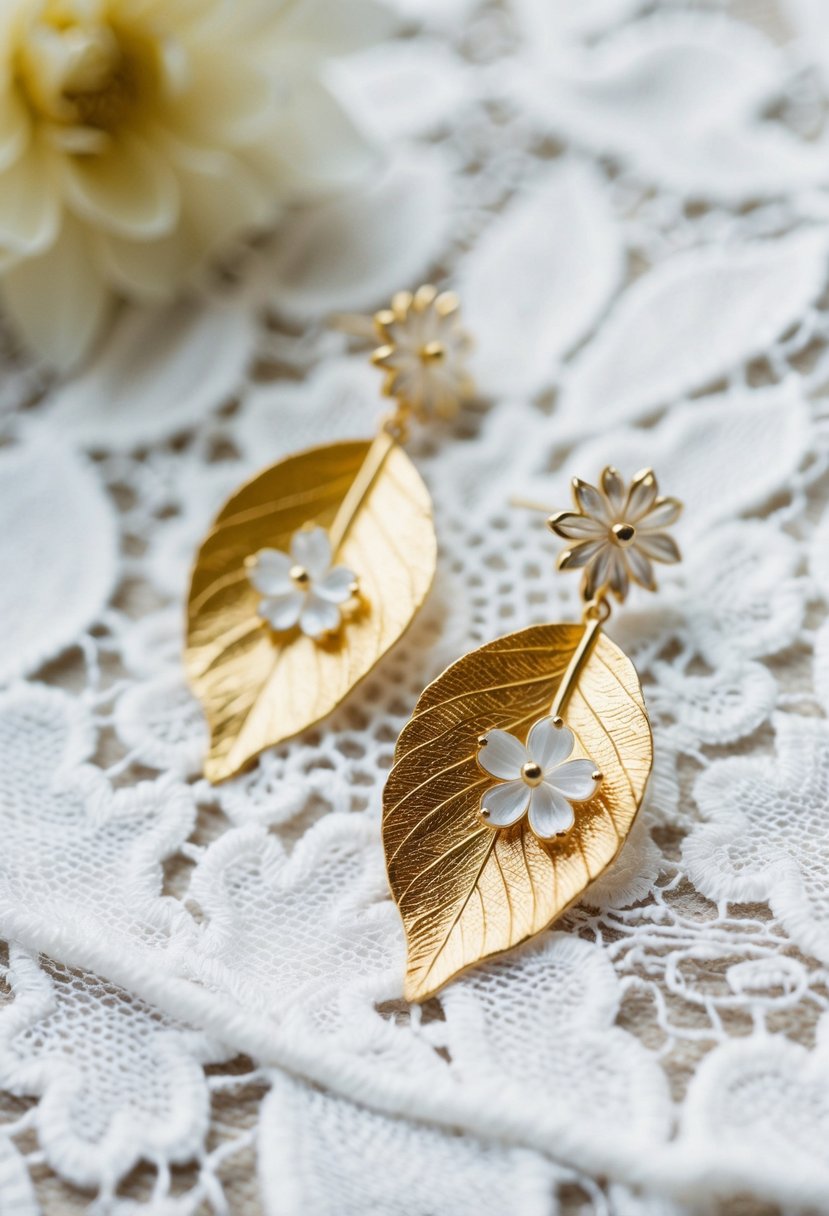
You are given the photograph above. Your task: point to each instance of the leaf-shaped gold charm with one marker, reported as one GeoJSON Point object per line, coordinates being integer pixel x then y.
{"type": "Point", "coordinates": [466, 890]}
{"type": "Point", "coordinates": [258, 687]}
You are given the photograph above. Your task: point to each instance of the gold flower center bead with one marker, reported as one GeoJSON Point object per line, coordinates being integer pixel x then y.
{"type": "Point", "coordinates": [300, 577]}
{"type": "Point", "coordinates": [532, 774]}
{"type": "Point", "coordinates": [624, 534]}
{"type": "Point", "coordinates": [432, 352]}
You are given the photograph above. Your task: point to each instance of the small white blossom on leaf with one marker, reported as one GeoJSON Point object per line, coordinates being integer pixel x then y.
{"type": "Point", "coordinates": [302, 587]}
{"type": "Point", "coordinates": [424, 353]}
{"type": "Point", "coordinates": [536, 778]}
{"type": "Point", "coordinates": [619, 533]}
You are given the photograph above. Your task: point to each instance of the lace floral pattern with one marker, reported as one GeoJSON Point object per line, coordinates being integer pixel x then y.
{"type": "Point", "coordinates": [201, 999]}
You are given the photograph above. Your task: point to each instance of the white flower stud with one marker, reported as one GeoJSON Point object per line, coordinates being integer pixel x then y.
{"type": "Point", "coordinates": [536, 779]}
{"type": "Point", "coordinates": [301, 587]}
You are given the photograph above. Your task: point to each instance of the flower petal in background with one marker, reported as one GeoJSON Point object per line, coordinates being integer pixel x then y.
{"type": "Point", "coordinates": [354, 253]}
{"type": "Point", "coordinates": [123, 399]}
{"type": "Point", "coordinates": [539, 278]}
{"type": "Point", "coordinates": [58, 554]}
{"type": "Point", "coordinates": [57, 299]}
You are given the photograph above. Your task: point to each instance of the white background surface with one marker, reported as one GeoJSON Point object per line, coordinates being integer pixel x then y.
{"type": "Point", "coordinates": [634, 207]}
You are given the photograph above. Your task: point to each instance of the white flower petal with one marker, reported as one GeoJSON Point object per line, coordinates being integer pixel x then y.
{"type": "Point", "coordinates": [312, 145]}
{"type": "Point", "coordinates": [336, 585]}
{"type": "Point", "coordinates": [584, 553]}
{"type": "Point", "coordinates": [550, 812]}
{"type": "Point", "coordinates": [57, 300]}
{"type": "Point", "coordinates": [221, 200]}
{"type": "Point", "coordinates": [130, 189]}
{"type": "Point", "coordinates": [614, 489]}
{"type": "Point", "coordinates": [502, 755]}
{"type": "Point", "coordinates": [241, 99]}
{"type": "Point", "coordinates": [15, 126]}
{"type": "Point", "coordinates": [284, 611]}
{"type": "Point", "coordinates": [661, 515]}
{"type": "Point", "coordinates": [505, 803]}
{"type": "Point", "coordinates": [29, 203]}
{"type": "Point", "coordinates": [549, 744]}
{"type": "Point", "coordinates": [572, 526]}
{"type": "Point", "coordinates": [658, 545]}
{"type": "Point", "coordinates": [311, 548]}
{"type": "Point", "coordinates": [575, 780]}
{"type": "Point", "coordinates": [318, 616]}
{"type": "Point", "coordinates": [641, 496]}
{"type": "Point", "coordinates": [590, 501]}
{"type": "Point", "coordinates": [640, 567]}
{"type": "Point", "coordinates": [272, 573]}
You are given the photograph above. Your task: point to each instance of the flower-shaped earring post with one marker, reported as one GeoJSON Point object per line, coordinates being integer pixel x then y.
{"type": "Point", "coordinates": [618, 532]}
{"type": "Point", "coordinates": [302, 587]}
{"type": "Point", "coordinates": [424, 353]}
{"type": "Point", "coordinates": [537, 778]}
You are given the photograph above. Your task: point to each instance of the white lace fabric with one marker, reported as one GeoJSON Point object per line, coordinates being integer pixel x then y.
{"type": "Point", "coordinates": [202, 1004]}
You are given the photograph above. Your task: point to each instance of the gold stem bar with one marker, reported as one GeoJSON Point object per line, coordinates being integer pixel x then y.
{"type": "Point", "coordinates": [374, 460]}
{"type": "Point", "coordinates": [588, 639]}
{"type": "Point", "coordinates": [527, 504]}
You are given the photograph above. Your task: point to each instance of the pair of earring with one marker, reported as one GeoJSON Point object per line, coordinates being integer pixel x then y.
{"type": "Point", "coordinates": [518, 777]}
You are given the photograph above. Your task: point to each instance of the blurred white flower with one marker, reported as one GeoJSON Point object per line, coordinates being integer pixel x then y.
{"type": "Point", "coordinates": [138, 136]}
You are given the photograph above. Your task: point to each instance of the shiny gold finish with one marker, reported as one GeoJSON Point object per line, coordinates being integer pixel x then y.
{"type": "Point", "coordinates": [620, 530]}
{"type": "Point", "coordinates": [623, 534]}
{"type": "Point", "coordinates": [466, 892]}
{"type": "Point", "coordinates": [532, 774]}
{"type": "Point", "coordinates": [259, 688]}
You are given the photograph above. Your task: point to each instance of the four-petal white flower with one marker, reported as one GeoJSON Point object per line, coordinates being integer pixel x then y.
{"type": "Point", "coordinates": [537, 779]}
{"type": "Point", "coordinates": [302, 587]}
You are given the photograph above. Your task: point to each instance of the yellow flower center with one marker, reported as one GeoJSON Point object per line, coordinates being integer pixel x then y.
{"type": "Point", "coordinates": [83, 71]}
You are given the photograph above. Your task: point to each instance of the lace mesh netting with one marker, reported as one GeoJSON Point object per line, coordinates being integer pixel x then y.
{"type": "Point", "coordinates": [201, 1001]}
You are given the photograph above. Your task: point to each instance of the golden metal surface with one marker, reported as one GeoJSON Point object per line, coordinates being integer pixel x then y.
{"type": "Point", "coordinates": [467, 891]}
{"type": "Point", "coordinates": [259, 688]}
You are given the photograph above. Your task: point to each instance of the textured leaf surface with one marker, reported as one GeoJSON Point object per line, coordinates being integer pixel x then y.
{"type": "Point", "coordinates": [258, 688]}
{"type": "Point", "coordinates": [466, 891]}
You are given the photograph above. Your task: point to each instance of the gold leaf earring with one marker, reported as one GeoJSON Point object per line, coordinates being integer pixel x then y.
{"type": "Point", "coordinates": [314, 569]}
{"type": "Point", "coordinates": [518, 777]}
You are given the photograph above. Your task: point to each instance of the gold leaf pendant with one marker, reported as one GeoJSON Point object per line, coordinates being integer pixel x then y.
{"type": "Point", "coordinates": [519, 775]}
{"type": "Point", "coordinates": [316, 567]}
